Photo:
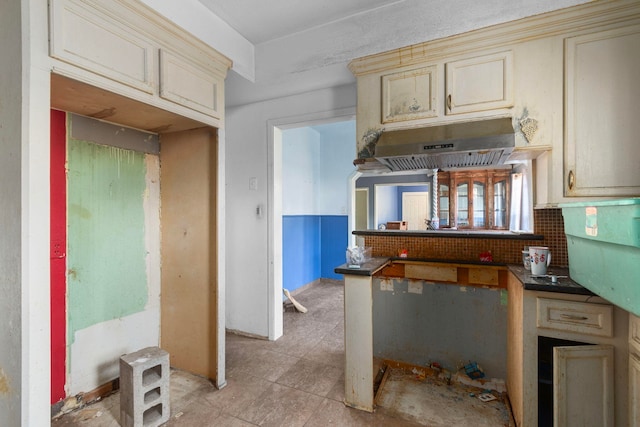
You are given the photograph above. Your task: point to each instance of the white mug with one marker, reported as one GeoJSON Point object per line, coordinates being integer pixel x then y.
{"type": "Point", "coordinates": [539, 257]}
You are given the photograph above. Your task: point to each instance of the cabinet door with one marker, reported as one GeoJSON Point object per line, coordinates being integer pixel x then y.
{"type": "Point", "coordinates": [583, 386]}
{"type": "Point", "coordinates": [634, 389]}
{"type": "Point", "coordinates": [602, 154]}
{"type": "Point", "coordinates": [480, 83]}
{"type": "Point", "coordinates": [409, 95]}
{"type": "Point", "coordinates": [186, 84]}
{"type": "Point", "coordinates": [97, 42]}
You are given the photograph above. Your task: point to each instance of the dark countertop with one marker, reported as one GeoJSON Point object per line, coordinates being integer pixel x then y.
{"type": "Point", "coordinates": [530, 283]}
{"type": "Point", "coordinates": [460, 234]}
{"type": "Point", "coordinates": [366, 269]}
{"type": "Point", "coordinates": [537, 283]}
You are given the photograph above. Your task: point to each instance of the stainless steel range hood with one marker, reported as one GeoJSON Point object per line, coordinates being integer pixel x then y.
{"type": "Point", "coordinates": [459, 145]}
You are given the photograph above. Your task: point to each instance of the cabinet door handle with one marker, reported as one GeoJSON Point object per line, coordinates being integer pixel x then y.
{"type": "Point", "coordinates": [449, 102]}
{"type": "Point", "coordinates": [573, 317]}
{"type": "Point", "coordinates": [571, 180]}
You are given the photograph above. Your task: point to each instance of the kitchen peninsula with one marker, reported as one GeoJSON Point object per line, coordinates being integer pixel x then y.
{"type": "Point", "coordinates": [418, 312]}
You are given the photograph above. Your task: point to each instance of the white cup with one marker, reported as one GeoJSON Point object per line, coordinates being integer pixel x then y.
{"type": "Point", "coordinates": [525, 259]}
{"type": "Point", "coordinates": [539, 257]}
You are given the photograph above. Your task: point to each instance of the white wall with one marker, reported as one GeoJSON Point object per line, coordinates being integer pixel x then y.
{"type": "Point", "coordinates": [24, 191]}
{"type": "Point", "coordinates": [316, 163]}
{"type": "Point", "coordinates": [249, 260]}
{"type": "Point", "coordinates": [10, 218]}
{"type": "Point", "coordinates": [300, 171]}
{"type": "Point", "coordinates": [194, 17]}
{"type": "Point", "coordinates": [338, 150]}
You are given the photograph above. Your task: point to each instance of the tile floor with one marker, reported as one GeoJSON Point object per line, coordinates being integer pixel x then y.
{"type": "Point", "coordinates": [297, 380]}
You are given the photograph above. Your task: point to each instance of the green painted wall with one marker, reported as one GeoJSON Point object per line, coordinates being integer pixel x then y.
{"type": "Point", "coordinates": [106, 265]}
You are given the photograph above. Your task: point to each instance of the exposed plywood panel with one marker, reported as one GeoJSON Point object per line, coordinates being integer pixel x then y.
{"type": "Point", "coordinates": [515, 362]}
{"type": "Point", "coordinates": [71, 95]}
{"type": "Point", "coordinates": [432, 273]}
{"type": "Point", "coordinates": [189, 270]}
{"type": "Point", "coordinates": [483, 276]}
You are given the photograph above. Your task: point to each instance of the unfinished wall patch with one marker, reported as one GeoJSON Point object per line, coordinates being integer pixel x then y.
{"type": "Point", "coordinates": [386, 285]}
{"type": "Point", "coordinates": [415, 287]}
{"type": "Point", "coordinates": [5, 388]}
{"type": "Point", "coordinates": [106, 186]}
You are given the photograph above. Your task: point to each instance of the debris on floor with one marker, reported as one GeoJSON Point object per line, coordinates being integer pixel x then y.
{"type": "Point", "coordinates": [299, 307]}
{"type": "Point", "coordinates": [430, 400]}
{"type": "Point", "coordinates": [474, 371]}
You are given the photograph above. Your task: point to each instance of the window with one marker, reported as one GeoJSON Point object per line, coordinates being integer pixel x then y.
{"type": "Point", "coordinates": [474, 199]}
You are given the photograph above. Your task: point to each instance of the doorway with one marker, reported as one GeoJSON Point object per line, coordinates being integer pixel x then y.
{"type": "Point", "coordinates": [322, 209]}
{"type": "Point", "coordinates": [415, 209]}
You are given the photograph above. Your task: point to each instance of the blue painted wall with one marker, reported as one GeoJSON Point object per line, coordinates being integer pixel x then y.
{"type": "Point", "coordinates": [300, 250]}
{"type": "Point", "coordinates": [312, 246]}
{"type": "Point", "coordinates": [334, 238]}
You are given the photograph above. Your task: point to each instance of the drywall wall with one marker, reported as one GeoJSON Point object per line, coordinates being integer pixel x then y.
{"type": "Point", "coordinates": [300, 171]}
{"type": "Point", "coordinates": [337, 152]}
{"type": "Point", "coordinates": [24, 192]}
{"type": "Point", "coordinates": [250, 303]}
{"type": "Point", "coordinates": [189, 267]}
{"type": "Point", "coordinates": [113, 250]}
{"type": "Point", "coordinates": [419, 322]}
{"type": "Point", "coordinates": [11, 218]}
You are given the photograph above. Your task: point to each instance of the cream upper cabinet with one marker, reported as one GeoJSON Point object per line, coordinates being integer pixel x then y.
{"type": "Point", "coordinates": [409, 94]}
{"type": "Point", "coordinates": [479, 83]}
{"type": "Point", "coordinates": [184, 82]}
{"type": "Point", "coordinates": [95, 41]}
{"type": "Point", "coordinates": [602, 149]}
{"type": "Point", "coordinates": [128, 49]}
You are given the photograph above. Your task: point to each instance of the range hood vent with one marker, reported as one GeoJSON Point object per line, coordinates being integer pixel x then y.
{"type": "Point", "coordinates": [460, 145]}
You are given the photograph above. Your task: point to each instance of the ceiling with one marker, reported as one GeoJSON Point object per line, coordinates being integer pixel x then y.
{"type": "Point", "coordinates": [302, 46]}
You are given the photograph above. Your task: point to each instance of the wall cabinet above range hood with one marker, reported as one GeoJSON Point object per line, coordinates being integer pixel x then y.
{"type": "Point", "coordinates": [459, 145]}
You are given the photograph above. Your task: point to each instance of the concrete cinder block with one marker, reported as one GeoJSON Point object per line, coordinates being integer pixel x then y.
{"type": "Point", "coordinates": [144, 388]}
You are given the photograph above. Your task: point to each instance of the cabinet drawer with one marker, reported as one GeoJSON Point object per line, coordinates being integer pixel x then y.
{"type": "Point", "coordinates": [572, 316]}
{"type": "Point", "coordinates": [634, 333]}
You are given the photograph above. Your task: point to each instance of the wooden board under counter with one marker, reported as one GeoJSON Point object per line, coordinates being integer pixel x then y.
{"type": "Point", "coordinates": [493, 276]}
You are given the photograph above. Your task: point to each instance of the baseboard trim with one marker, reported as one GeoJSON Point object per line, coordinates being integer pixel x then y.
{"type": "Point", "coordinates": [80, 400]}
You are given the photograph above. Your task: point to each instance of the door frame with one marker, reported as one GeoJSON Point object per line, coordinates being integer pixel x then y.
{"type": "Point", "coordinates": [274, 205]}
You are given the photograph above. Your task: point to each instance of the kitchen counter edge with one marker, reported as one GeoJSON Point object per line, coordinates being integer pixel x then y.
{"type": "Point", "coordinates": [565, 284]}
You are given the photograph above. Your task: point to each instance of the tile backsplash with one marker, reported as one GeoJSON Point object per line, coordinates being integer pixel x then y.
{"type": "Point", "coordinates": [547, 222]}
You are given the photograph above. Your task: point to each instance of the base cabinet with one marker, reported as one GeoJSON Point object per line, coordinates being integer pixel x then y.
{"type": "Point", "coordinates": [569, 372]}
{"type": "Point", "coordinates": [634, 371]}
{"type": "Point", "coordinates": [634, 389]}
{"type": "Point", "coordinates": [576, 370]}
